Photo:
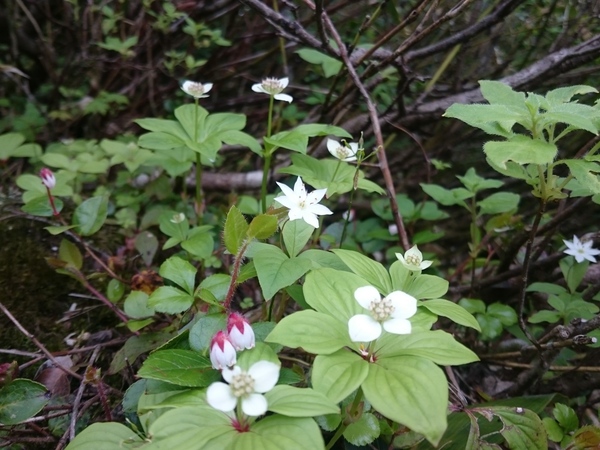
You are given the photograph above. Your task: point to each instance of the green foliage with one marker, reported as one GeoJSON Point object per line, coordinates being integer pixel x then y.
{"type": "Point", "coordinates": [20, 400]}
{"type": "Point", "coordinates": [493, 319]}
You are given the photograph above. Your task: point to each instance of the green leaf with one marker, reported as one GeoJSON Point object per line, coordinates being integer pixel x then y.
{"type": "Point", "coordinates": [136, 305]}
{"type": "Point", "coordinates": [40, 206]}
{"type": "Point", "coordinates": [363, 266]}
{"type": "Point", "coordinates": [104, 436]}
{"type": "Point", "coordinates": [235, 230]}
{"type": "Point", "coordinates": [412, 391]}
{"type": "Point", "coordinates": [339, 374]}
{"type": "Point", "coordinates": [544, 316]}
{"type": "Point", "coordinates": [521, 150]}
{"type": "Point", "coordinates": [498, 203]}
{"type": "Point", "coordinates": [547, 288]}
{"type": "Point", "coordinates": [496, 92]}
{"type": "Point", "coordinates": [180, 367]}
{"type": "Point", "coordinates": [332, 292]}
{"type": "Point", "coordinates": [69, 253]}
{"type": "Point", "coordinates": [446, 197]}
{"type": "Point", "coordinates": [296, 402]}
{"type": "Point", "coordinates": [566, 417]}
{"type": "Point", "coordinates": [262, 227]}
{"type": "Point", "coordinates": [363, 431]}
{"type": "Point", "coordinates": [180, 272]}
{"type": "Point", "coordinates": [427, 286]}
{"type": "Point", "coordinates": [452, 311]}
{"type": "Point", "coordinates": [321, 129]}
{"type": "Point", "coordinates": [204, 329]}
{"type": "Point", "coordinates": [323, 259]}
{"type": "Point", "coordinates": [472, 305]}
{"type": "Point", "coordinates": [281, 432]}
{"type": "Point", "coordinates": [315, 332]}
{"type": "Point", "coordinates": [504, 313]}
{"type": "Point", "coordinates": [586, 172]}
{"type": "Point", "coordinates": [493, 119]}
{"type": "Point", "coordinates": [292, 140]}
{"type": "Point", "coordinates": [20, 400]}
{"type": "Point", "coordinates": [90, 215]}
{"type": "Point", "coordinates": [437, 346]}
{"type": "Point", "coordinates": [216, 286]}
{"type": "Point", "coordinates": [474, 183]}
{"type": "Point", "coordinates": [522, 428]}
{"type": "Point", "coordinates": [555, 432]}
{"type": "Point", "coordinates": [170, 300]}
{"type": "Point", "coordinates": [296, 234]}
{"type": "Point", "coordinates": [275, 270]}
{"type": "Point", "coordinates": [200, 243]}
{"type": "Point", "coordinates": [329, 65]}
{"type": "Point", "coordinates": [115, 290]}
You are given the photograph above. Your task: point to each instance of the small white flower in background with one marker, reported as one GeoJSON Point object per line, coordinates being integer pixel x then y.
{"type": "Point", "coordinates": [581, 250]}
{"type": "Point", "coordinates": [240, 332]}
{"type": "Point", "coordinates": [195, 89]}
{"type": "Point", "coordinates": [344, 151]}
{"type": "Point", "coordinates": [390, 313]}
{"type": "Point", "coordinates": [393, 229]}
{"type": "Point", "coordinates": [222, 352]}
{"type": "Point", "coordinates": [302, 205]}
{"type": "Point", "coordinates": [413, 259]}
{"type": "Point", "coordinates": [349, 215]}
{"type": "Point", "coordinates": [48, 178]}
{"type": "Point", "coordinates": [245, 386]}
{"type": "Point", "coordinates": [273, 87]}
{"type": "Point", "coordinates": [177, 218]}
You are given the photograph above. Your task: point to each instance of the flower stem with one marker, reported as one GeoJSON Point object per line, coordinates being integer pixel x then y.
{"type": "Point", "coordinates": [51, 198]}
{"type": "Point", "coordinates": [199, 207]}
{"type": "Point", "coordinates": [267, 163]}
{"type": "Point", "coordinates": [234, 275]}
{"type": "Point", "coordinates": [353, 409]}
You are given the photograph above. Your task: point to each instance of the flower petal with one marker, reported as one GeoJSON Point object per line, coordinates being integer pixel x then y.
{"type": "Point", "coordinates": [332, 146]}
{"type": "Point", "coordinates": [228, 373]}
{"type": "Point", "coordinates": [288, 202]}
{"type": "Point", "coordinates": [284, 97]}
{"type": "Point", "coordinates": [287, 191]}
{"type": "Point", "coordinates": [259, 88]}
{"type": "Point", "coordinates": [283, 82]}
{"type": "Point", "coordinates": [219, 396]}
{"type": "Point", "coordinates": [405, 305]}
{"type": "Point", "coordinates": [207, 87]}
{"type": "Point", "coordinates": [309, 218]}
{"type": "Point", "coordinates": [366, 295]}
{"type": "Point", "coordinates": [300, 189]}
{"type": "Point", "coordinates": [254, 405]}
{"type": "Point", "coordinates": [363, 328]}
{"type": "Point", "coordinates": [265, 375]}
{"type": "Point", "coordinates": [296, 213]}
{"type": "Point", "coordinates": [319, 210]}
{"type": "Point", "coordinates": [397, 326]}
{"type": "Point", "coordinates": [315, 196]}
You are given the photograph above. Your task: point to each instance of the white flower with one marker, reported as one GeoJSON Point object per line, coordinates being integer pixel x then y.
{"type": "Point", "coordinates": [222, 353]}
{"type": "Point", "coordinates": [344, 151]}
{"type": "Point", "coordinates": [48, 178]}
{"type": "Point", "coordinates": [240, 332]}
{"type": "Point", "coordinates": [273, 86]}
{"type": "Point", "coordinates": [302, 205]}
{"type": "Point", "coordinates": [581, 250]}
{"type": "Point", "coordinates": [245, 386]}
{"type": "Point", "coordinates": [392, 312]}
{"type": "Point", "coordinates": [195, 89]}
{"type": "Point", "coordinates": [413, 259]}
{"type": "Point", "coordinates": [393, 229]}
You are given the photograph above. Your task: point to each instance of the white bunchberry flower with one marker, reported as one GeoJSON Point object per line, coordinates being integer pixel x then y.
{"type": "Point", "coordinates": [246, 387]}
{"type": "Point", "coordinates": [240, 332]}
{"type": "Point", "coordinates": [273, 87]}
{"type": "Point", "coordinates": [195, 89]}
{"type": "Point", "coordinates": [222, 352]}
{"type": "Point", "coordinates": [48, 178]}
{"type": "Point", "coordinates": [390, 313]}
{"type": "Point", "coordinates": [344, 151]}
{"type": "Point", "coordinates": [302, 205]}
{"type": "Point", "coordinates": [581, 250]}
{"type": "Point", "coordinates": [177, 218]}
{"type": "Point", "coordinates": [413, 259]}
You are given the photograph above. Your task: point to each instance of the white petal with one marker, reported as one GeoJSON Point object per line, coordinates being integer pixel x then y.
{"type": "Point", "coordinates": [287, 191]}
{"type": "Point", "coordinates": [284, 97]}
{"type": "Point", "coordinates": [397, 326]}
{"type": "Point", "coordinates": [228, 373]}
{"type": "Point", "coordinates": [283, 82]}
{"type": "Point", "coordinates": [219, 396]}
{"type": "Point", "coordinates": [207, 87]}
{"type": "Point", "coordinates": [405, 305]}
{"type": "Point", "coordinates": [309, 218]}
{"type": "Point", "coordinates": [350, 159]}
{"type": "Point", "coordinates": [258, 88]}
{"type": "Point", "coordinates": [265, 374]}
{"type": "Point", "coordinates": [363, 328]}
{"type": "Point", "coordinates": [354, 147]}
{"type": "Point", "coordinates": [288, 202]}
{"type": "Point", "coordinates": [332, 146]}
{"type": "Point", "coordinates": [296, 213]}
{"type": "Point", "coordinates": [366, 295]}
{"type": "Point", "coordinates": [300, 189]}
{"type": "Point", "coordinates": [319, 210]}
{"type": "Point", "coordinates": [254, 405]}
{"type": "Point", "coordinates": [315, 196]}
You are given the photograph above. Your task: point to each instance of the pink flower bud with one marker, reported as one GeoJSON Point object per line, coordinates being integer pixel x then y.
{"type": "Point", "coordinates": [47, 177]}
{"type": "Point", "coordinates": [222, 353]}
{"type": "Point", "coordinates": [240, 332]}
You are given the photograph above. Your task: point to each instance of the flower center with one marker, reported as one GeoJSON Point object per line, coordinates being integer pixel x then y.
{"type": "Point", "coordinates": [242, 385]}
{"type": "Point", "coordinates": [381, 310]}
{"type": "Point", "coordinates": [413, 260]}
{"type": "Point", "coordinates": [272, 86]}
{"type": "Point", "coordinates": [196, 89]}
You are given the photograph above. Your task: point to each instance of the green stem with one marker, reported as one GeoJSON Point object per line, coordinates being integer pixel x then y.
{"type": "Point", "coordinates": [198, 167]}
{"type": "Point", "coordinates": [267, 163]}
{"type": "Point", "coordinates": [237, 264]}
{"type": "Point", "coordinates": [353, 409]}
